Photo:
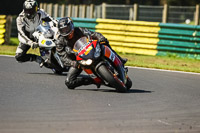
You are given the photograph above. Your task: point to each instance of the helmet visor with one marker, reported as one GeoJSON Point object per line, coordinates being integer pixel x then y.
{"type": "Point", "coordinates": [66, 30]}
{"type": "Point", "coordinates": [30, 13]}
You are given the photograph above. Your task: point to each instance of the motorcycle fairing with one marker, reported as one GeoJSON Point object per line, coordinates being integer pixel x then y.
{"type": "Point", "coordinates": [92, 75]}
{"type": "Point", "coordinates": [116, 61]}
{"type": "Point", "coordinates": [87, 51]}
{"type": "Point", "coordinates": [111, 55]}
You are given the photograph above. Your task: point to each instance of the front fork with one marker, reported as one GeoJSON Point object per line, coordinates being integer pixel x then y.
{"type": "Point", "coordinates": [45, 54]}
{"type": "Point", "coordinates": [48, 54]}
{"type": "Point", "coordinates": [58, 59]}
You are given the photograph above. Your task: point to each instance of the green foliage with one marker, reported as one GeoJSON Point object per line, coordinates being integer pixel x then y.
{"type": "Point", "coordinates": [14, 41]}
{"type": "Point", "coordinates": [10, 9]}
{"type": "Point", "coordinates": [163, 62]}
{"type": "Point", "coordinates": [142, 2]}
{"type": "Point", "coordinates": [182, 2]}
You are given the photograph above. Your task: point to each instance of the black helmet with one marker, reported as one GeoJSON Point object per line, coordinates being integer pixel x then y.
{"type": "Point", "coordinates": [30, 8]}
{"type": "Point", "coordinates": [65, 26]}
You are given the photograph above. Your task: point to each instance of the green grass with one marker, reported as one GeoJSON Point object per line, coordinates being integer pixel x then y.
{"type": "Point", "coordinates": [159, 62]}
{"type": "Point", "coordinates": [14, 41]}
{"type": "Point", "coordinates": [167, 63]}
{"type": "Point", "coordinates": [10, 49]}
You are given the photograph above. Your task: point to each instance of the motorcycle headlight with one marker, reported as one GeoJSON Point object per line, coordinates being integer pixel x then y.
{"type": "Point", "coordinates": [97, 51]}
{"type": "Point", "coordinates": [86, 62]}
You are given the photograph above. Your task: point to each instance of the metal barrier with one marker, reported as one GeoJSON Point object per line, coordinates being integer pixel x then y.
{"type": "Point", "coordinates": [179, 14]}
{"type": "Point", "coordinates": [150, 13]}
{"type": "Point", "coordinates": [147, 38]}
{"type": "Point", "coordinates": [165, 13]}
{"type": "Point", "coordinates": [179, 39]}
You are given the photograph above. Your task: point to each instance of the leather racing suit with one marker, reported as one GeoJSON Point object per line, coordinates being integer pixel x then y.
{"type": "Point", "coordinates": [25, 28]}
{"type": "Point", "coordinates": [64, 47]}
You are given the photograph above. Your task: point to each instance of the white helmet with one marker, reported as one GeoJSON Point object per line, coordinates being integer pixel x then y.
{"type": "Point", "coordinates": [30, 8]}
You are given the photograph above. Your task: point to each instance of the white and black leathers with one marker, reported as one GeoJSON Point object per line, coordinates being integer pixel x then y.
{"type": "Point", "coordinates": [26, 27]}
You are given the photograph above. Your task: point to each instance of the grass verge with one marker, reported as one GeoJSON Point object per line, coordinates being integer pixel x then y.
{"type": "Point", "coordinates": [167, 63]}
{"type": "Point", "coordinates": [159, 62]}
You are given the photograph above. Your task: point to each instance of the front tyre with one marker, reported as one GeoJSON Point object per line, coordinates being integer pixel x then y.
{"type": "Point", "coordinates": [109, 77]}
{"type": "Point", "coordinates": [128, 83]}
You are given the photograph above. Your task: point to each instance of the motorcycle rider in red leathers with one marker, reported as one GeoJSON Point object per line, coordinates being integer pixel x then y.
{"type": "Point", "coordinates": [64, 45]}
{"type": "Point", "coordinates": [27, 22]}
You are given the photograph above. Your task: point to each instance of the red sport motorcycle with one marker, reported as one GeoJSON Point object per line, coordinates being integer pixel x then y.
{"type": "Point", "coordinates": [102, 64]}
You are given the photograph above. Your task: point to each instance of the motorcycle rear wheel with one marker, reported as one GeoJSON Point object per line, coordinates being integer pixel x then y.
{"type": "Point", "coordinates": [108, 76]}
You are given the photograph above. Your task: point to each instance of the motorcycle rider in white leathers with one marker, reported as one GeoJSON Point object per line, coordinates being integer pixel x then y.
{"type": "Point", "coordinates": [27, 22]}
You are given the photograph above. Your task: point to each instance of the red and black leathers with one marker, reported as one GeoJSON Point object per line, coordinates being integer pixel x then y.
{"type": "Point", "coordinates": [64, 48]}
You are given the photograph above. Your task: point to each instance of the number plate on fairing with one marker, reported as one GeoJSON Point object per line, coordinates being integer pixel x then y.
{"type": "Point", "coordinates": [112, 56]}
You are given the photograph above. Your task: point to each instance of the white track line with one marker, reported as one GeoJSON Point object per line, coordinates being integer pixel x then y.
{"type": "Point", "coordinates": [8, 55]}
{"type": "Point", "coordinates": [152, 69]}
{"type": "Point", "coordinates": [163, 122]}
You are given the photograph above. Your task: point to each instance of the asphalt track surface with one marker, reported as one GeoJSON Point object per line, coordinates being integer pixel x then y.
{"type": "Point", "coordinates": [33, 100]}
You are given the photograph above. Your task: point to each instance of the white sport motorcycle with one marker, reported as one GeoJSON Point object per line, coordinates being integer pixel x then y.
{"type": "Point", "coordinates": [44, 35]}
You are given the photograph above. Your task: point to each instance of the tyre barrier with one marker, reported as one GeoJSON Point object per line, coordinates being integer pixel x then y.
{"type": "Point", "coordinates": [147, 38]}
{"type": "Point", "coordinates": [2, 28]}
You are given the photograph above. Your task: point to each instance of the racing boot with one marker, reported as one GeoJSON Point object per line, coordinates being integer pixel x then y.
{"type": "Point", "coordinates": [79, 82]}
{"type": "Point", "coordinates": [39, 60]}
{"type": "Point", "coordinates": [123, 60]}
{"type": "Point", "coordinates": [88, 81]}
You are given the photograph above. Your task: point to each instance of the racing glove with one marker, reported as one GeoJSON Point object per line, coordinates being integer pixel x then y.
{"type": "Point", "coordinates": [75, 64]}
{"type": "Point", "coordinates": [69, 50]}
{"type": "Point", "coordinates": [103, 41]}
{"type": "Point", "coordinates": [34, 45]}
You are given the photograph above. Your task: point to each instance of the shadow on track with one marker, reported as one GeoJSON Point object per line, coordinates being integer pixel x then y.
{"type": "Point", "coordinates": [100, 89]}
{"type": "Point", "coordinates": [63, 74]}
{"type": "Point", "coordinates": [114, 91]}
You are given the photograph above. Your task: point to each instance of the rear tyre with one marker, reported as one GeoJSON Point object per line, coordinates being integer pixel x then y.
{"type": "Point", "coordinates": [108, 76]}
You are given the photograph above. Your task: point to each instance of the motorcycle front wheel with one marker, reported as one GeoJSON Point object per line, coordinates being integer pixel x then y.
{"type": "Point", "coordinates": [128, 83]}
{"type": "Point", "coordinates": [108, 76]}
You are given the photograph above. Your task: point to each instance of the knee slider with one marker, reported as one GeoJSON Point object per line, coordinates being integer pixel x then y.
{"type": "Point", "coordinates": [18, 57]}
{"type": "Point", "coordinates": [69, 84]}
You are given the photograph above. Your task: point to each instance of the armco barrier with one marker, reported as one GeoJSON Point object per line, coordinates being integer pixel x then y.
{"type": "Point", "coordinates": [2, 28]}
{"type": "Point", "coordinates": [179, 39]}
{"type": "Point", "coordinates": [147, 38]}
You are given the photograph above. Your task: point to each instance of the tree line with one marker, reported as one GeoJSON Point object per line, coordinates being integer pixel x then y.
{"type": "Point", "coordinates": [14, 7]}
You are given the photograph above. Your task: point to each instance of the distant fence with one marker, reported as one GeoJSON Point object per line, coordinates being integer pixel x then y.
{"type": "Point", "coordinates": [147, 38]}
{"type": "Point", "coordinates": [164, 14]}
{"type": "Point", "coordinates": [5, 29]}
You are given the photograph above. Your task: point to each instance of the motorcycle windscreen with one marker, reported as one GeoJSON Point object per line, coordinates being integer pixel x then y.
{"type": "Point", "coordinates": [45, 29]}
{"type": "Point", "coordinates": [80, 44]}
